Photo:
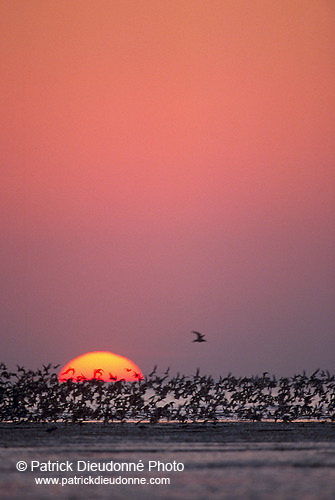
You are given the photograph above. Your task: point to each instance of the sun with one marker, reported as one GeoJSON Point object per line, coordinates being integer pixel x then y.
{"type": "Point", "coordinates": [101, 365]}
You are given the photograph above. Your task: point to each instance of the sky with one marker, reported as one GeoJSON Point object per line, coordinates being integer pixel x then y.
{"type": "Point", "coordinates": [168, 166]}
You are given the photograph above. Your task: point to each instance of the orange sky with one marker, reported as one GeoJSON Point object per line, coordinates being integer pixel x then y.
{"type": "Point", "coordinates": [168, 166]}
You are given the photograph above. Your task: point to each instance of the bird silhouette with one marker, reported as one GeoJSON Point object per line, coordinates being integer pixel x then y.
{"type": "Point", "coordinates": [153, 371]}
{"type": "Point", "coordinates": [200, 337]}
{"type": "Point", "coordinates": [69, 370]}
{"type": "Point", "coordinates": [99, 372]}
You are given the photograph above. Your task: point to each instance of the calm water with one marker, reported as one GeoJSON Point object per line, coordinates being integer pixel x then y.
{"type": "Point", "coordinates": [229, 461]}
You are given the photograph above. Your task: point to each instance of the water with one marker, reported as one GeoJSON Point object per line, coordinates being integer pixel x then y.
{"type": "Point", "coordinates": [227, 461]}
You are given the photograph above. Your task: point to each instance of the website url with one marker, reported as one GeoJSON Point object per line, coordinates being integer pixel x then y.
{"type": "Point", "coordinates": [89, 480]}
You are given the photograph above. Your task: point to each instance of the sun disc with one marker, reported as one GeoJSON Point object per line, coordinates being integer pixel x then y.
{"type": "Point", "coordinates": [101, 365]}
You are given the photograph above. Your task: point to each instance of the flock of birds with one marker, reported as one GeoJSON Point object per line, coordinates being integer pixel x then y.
{"type": "Point", "coordinates": [97, 374]}
{"type": "Point", "coordinates": [39, 396]}
{"type": "Point", "coordinates": [28, 396]}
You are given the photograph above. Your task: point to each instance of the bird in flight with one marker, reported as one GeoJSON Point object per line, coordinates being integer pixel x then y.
{"type": "Point", "coordinates": [68, 371]}
{"type": "Point", "coordinates": [200, 337]}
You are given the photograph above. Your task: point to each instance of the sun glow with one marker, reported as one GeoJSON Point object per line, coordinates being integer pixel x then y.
{"type": "Point", "coordinates": [100, 365]}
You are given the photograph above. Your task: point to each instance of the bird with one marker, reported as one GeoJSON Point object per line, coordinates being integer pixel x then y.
{"type": "Point", "coordinates": [153, 371]}
{"type": "Point", "coordinates": [200, 337]}
{"type": "Point", "coordinates": [98, 372]}
{"type": "Point", "coordinates": [69, 370]}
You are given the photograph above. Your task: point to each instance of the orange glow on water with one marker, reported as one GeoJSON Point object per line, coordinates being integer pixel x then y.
{"type": "Point", "coordinates": [101, 365]}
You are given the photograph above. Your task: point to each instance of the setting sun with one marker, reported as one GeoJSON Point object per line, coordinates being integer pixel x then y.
{"type": "Point", "coordinates": [101, 365]}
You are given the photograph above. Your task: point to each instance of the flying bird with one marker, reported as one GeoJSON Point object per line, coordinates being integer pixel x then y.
{"type": "Point", "coordinates": [68, 371]}
{"type": "Point", "coordinates": [153, 371]}
{"type": "Point", "coordinates": [200, 337]}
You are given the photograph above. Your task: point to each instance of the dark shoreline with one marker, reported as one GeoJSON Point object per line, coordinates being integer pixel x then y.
{"type": "Point", "coordinates": [65, 434]}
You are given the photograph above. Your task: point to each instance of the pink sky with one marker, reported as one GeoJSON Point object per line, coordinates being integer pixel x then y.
{"type": "Point", "coordinates": [168, 166]}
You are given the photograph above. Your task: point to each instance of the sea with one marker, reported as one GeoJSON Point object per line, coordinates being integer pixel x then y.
{"type": "Point", "coordinates": [230, 460]}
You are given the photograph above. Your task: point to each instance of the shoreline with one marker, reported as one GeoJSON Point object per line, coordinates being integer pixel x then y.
{"type": "Point", "coordinates": [63, 434]}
